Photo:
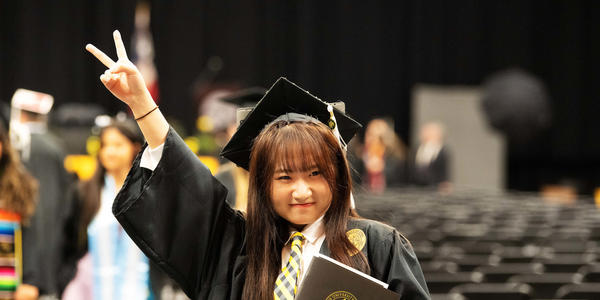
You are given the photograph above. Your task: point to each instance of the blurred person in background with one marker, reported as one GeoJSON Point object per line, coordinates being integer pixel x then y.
{"type": "Point", "coordinates": [104, 261]}
{"type": "Point", "coordinates": [383, 157]}
{"type": "Point", "coordinates": [18, 191]}
{"type": "Point", "coordinates": [429, 162]}
{"type": "Point", "coordinates": [42, 154]}
{"type": "Point", "coordinates": [214, 118]}
{"type": "Point", "coordinates": [234, 178]}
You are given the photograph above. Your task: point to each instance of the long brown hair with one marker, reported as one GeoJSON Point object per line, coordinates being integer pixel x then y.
{"type": "Point", "coordinates": [18, 189]}
{"type": "Point", "coordinates": [90, 190]}
{"type": "Point", "coordinates": [294, 145]}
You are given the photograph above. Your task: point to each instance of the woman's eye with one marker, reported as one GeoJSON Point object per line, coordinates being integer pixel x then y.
{"type": "Point", "coordinates": [283, 177]}
{"type": "Point", "coordinates": [315, 173]}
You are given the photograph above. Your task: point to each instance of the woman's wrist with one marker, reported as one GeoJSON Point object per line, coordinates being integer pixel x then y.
{"type": "Point", "coordinates": [146, 114]}
{"type": "Point", "coordinates": [142, 106]}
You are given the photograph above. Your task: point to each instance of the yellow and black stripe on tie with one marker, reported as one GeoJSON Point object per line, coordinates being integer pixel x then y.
{"type": "Point", "coordinates": [286, 284]}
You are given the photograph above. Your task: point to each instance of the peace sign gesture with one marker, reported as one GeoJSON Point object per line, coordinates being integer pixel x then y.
{"type": "Point", "coordinates": [125, 81]}
{"type": "Point", "coordinates": [122, 78]}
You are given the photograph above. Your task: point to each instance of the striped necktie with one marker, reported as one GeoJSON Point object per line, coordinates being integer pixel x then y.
{"type": "Point", "coordinates": [286, 284]}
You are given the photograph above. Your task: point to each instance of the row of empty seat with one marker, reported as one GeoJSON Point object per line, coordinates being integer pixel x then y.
{"type": "Point", "coordinates": [496, 245]}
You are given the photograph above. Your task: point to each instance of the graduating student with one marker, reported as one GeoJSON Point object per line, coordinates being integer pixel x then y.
{"type": "Point", "coordinates": [298, 199]}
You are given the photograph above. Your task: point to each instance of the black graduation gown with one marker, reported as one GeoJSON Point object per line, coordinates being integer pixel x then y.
{"type": "Point", "coordinates": [226, 177]}
{"type": "Point", "coordinates": [178, 216]}
{"type": "Point", "coordinates": [42, 238]}
{"type": "Point", "coordinates": [434, 173]}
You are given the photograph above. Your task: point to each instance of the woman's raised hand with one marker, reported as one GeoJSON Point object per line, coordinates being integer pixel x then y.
{"type": "Point", "coordinates": [123, 79]}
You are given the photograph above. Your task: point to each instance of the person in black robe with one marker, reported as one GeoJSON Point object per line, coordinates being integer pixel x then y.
{"type": "Point", "coordinates": [175, 210]}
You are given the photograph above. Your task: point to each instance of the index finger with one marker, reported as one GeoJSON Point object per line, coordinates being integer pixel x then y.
{"type": "Point", "coordinates": [103, 58]}
{"type": "Point", "coordinates": [121, 53]}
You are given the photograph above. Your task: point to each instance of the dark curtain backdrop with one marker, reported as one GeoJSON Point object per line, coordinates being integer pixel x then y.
{"type": "Point", "coordinates": [367, 53]}
{"type": "Point", "coordinates": [42, 47]}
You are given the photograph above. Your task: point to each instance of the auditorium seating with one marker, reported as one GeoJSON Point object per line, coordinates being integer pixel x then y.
{"type": "Point", "coordinates": [545, 285]}
{"type": "Point", "coordinates": [496, 245]}
{"type": "Point", "coordinates": [502, 272]}
{"type": "Point", "coordinates": [590, 273]}
{"type": "Point", "coordinates": [494, 291]}
{"type": "Point", "coordinates": [443, 282]}
{"type": "Point", "coordinates": [579, 291]}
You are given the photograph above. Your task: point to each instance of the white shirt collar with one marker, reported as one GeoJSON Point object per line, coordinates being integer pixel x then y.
{"type": "Point", "coordinates": [313, 231]}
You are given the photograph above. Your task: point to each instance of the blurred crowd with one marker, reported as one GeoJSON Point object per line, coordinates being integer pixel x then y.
{"type": "Point", "coordinates": [384, 161]}
{"type": "Point", "coordinates": [59, 237]}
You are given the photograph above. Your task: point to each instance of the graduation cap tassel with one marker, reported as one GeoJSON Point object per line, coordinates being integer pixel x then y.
{"type": "Point", "coordinates": [333, 125]}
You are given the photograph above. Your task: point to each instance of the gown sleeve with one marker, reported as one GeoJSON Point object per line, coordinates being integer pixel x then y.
{"type": "Point", "coordinates": [178, 217]}
{"type": "Point", "coordinates": [393, 261]}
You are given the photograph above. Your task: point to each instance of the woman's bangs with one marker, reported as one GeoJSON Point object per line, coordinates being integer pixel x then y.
{"type": "Point", "coordinates": [299, 151]}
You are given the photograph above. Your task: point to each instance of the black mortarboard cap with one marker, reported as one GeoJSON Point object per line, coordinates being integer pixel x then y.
{"type": "Point", "coordinates": [283, 97]}
{"type": "Point", "coordinates": [246, 97]}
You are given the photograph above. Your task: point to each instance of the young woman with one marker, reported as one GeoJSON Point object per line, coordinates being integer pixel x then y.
{"type": "Point", "coordinates": [176, 212]}
{"type": "Point", "coordinates": [18, 191]}
{"type": "Point", "coordinates": [109, 264]}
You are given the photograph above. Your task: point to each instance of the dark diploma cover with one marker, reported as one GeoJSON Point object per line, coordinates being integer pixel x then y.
{"type": "Point", "coordinates": [328, 279]}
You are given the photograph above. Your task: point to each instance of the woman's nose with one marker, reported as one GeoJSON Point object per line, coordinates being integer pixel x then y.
{"type": "Point", "coordinates": [302, 190]}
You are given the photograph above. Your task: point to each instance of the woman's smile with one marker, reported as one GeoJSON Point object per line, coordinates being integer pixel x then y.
{"type": "Point", "coordinates": [302, 205]}
{"type": "Point", "coordinates": [300, 197]}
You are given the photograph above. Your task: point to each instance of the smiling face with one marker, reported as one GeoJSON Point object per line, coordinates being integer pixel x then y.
{"type": "Point", "coordinates": [295, 175]}
{"type": "Point", "coordinates": [300, 197]}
